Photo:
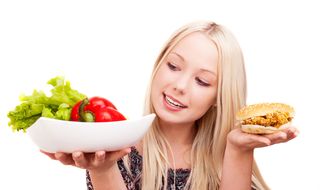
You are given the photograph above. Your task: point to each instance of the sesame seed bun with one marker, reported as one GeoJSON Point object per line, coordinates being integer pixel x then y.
{"type": "Point", "coordinates": [262, 109]}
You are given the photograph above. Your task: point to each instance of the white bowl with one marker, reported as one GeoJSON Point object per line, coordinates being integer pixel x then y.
{"type": "Point", "coordinates": [53, 135]}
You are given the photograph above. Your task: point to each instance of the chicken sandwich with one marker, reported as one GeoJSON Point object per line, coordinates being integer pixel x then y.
{"type": "Point", "coordinates": [265, 118]}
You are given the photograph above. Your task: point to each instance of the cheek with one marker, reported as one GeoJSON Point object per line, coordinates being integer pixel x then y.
{"type": "Point", "coordinates": [155, 90]}
{"type": "Point", "coordinates": [203, 99]}
{"type": "Point", "coordinates": [162, 78]}
{"type": "Point", "coordinates": [157, 86]}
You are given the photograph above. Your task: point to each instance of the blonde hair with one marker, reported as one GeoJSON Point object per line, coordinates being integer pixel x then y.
{"type": "Point", "coordinates": [209, 145]}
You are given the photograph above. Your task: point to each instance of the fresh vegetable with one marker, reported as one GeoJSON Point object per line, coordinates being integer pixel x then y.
{"type": "Point", "coordinates": [57, 106]}
{"type": "Point", "coordinates": [64, 103]}
{"type": "Point", "coordinates": [95, 109]}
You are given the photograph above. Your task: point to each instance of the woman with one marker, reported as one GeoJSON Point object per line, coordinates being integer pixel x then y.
{"type": "Point", "coordinates": [197, 85]}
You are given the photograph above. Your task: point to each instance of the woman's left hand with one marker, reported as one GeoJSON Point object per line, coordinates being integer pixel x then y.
{"type": "Point", "coordinates": [247, 142]}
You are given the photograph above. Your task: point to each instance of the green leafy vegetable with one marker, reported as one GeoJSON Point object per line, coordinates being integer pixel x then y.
{"type": "Point", "coordinates": [57, 106]}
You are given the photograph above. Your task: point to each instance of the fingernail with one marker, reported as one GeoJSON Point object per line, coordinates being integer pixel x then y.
{"type": "Point", "coordinates": [58, 155]}
{"type": "Point", "coordinates": [100, 154]}
{"type": "Point", "coordinates": [77, 154]}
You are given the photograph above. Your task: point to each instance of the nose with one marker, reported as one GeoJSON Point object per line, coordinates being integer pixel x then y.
{"type": "Point", "coordinates": [181, 84]}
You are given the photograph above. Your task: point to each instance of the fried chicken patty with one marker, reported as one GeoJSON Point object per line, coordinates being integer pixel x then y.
{"type": "Point", "coordinates": [275, 119]}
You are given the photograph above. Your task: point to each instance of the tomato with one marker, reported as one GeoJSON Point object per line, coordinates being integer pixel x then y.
{"type": "Point", "coordinates": [95, 109]}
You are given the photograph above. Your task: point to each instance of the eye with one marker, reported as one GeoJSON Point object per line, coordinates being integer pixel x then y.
{"type": "Point", "coordinates": [172, 67]}
{"type": "Point", "coordinates": [201, 82]}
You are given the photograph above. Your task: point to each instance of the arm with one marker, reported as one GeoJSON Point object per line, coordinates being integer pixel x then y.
{"type": "Point", "coordinates": [237, 168]}
{"type": "Point", "coordinates": [110, 179]}
{"type": "Point", "coordinates": [238, 157]}
{"type": "Point", "coordinates": [102, 166]}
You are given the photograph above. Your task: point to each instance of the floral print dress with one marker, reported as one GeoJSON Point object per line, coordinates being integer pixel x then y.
{"type": "Point", "coordinates": [133, 181]}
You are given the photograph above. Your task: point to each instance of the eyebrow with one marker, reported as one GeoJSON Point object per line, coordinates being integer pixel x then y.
{"type": "Point", "coordinates": [206, 70]}
{"type": "Point", "coordinates": [179, 56]}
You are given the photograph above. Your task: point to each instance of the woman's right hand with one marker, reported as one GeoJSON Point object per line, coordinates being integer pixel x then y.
{"type": "Point", "coordinates": [100, 161]}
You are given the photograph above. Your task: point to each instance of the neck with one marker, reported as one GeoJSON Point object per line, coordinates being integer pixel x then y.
{"type": "Point", "coordinates": [178, 135]}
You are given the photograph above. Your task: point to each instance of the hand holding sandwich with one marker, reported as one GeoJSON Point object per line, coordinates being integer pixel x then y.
{"type": "Point", "coordinates": [247, 142]}
{"type": "Point", "coordinates": [241, 142]}
{"type": "Point", "coordinates": [263, 125]}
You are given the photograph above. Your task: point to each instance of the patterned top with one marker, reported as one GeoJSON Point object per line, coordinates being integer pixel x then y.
{"type": "Point", "coordinates": [133, 181]}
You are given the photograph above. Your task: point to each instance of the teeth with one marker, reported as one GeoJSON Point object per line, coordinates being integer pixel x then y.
{"type": "Point", "coordinates": [170, 101]}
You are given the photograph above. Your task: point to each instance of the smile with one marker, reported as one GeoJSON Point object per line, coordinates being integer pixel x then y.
{"type": "Point", "coordinates": [174, 103]}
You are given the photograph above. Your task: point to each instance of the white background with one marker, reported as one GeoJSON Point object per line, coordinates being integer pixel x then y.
{"type": "Point", "coordinates": [108, 49]}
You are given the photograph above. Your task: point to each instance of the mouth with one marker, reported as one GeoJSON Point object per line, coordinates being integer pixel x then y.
{"type": "Point", "coordinates": [173, 103]}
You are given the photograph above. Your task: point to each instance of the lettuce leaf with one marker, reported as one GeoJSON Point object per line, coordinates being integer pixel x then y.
{"type": "Point", "coordinates": [57, 106]}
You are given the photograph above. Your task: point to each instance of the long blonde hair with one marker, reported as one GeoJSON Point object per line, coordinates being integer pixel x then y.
{"type": "Point", "coordinates": [209, 145]}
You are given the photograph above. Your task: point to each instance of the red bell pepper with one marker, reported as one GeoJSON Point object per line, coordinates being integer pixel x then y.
{"type": "Point", "coordinates": [95, 109]}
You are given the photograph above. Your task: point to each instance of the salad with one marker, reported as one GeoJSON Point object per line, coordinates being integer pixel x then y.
{"type": "Point", "coordinates": [64, 103]}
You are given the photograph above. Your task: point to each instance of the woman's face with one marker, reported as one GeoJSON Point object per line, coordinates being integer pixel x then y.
{"type": "Point", "coordinates": [185, 85]}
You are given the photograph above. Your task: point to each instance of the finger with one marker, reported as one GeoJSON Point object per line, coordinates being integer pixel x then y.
{"type": "Point", "coordinates": [116, 155]}
{"type": "Point", "coordinates": [292, 132]}
{"type": "Point", "coordinates": [64, 158]}
{"type": "Point", "coordinates": [99, 158]}
{"type": "Point", "coordinates": [258, 141]}
{"type": "Point", "coordinates": [50, 155]}
{"type": "Point", "coordinates": [79, 159]}
{"type": "Point", "coordinates": [278, 137]}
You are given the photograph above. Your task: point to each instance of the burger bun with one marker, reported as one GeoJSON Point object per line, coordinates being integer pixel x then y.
{"type": "Point", "coordinates": [263, 109]}
{"type": "Point", "coordinates": [262, 130]}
